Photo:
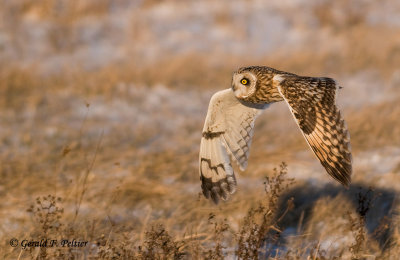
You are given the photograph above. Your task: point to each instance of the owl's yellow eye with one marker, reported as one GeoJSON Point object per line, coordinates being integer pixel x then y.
{"type": "Point", "coordinates": [244, 81]}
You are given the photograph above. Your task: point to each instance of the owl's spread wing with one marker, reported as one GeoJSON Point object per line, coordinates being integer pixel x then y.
{"type": "Point", "coordinates": [227, 131]}
{"type": "Point", "coordinates": [312, 103]}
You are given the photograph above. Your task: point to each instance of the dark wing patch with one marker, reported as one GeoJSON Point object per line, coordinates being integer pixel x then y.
{"type": "Point", "coordinates": [312, 103]}
{"type": "Point", "coordinates": [217, 189]}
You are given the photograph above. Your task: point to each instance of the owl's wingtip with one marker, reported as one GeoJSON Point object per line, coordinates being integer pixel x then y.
{"type": "Point", "coordinates": [346, 182]}
{"type": "Point", "coordinates": [346, 185]}
{"type": "Point", "coordinates": [220, 190]}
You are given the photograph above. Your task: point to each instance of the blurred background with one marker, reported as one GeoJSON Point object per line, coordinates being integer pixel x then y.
{"type": "Point", "coordinates": [102, 104]}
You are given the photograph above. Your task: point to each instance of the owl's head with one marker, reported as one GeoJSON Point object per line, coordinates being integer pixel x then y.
{"type": "Point", "coordinates": [244, 84]}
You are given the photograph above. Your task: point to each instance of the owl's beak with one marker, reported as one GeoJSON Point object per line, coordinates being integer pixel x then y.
{"type": "Point", "coordinates": [234, 88]}
{"type": "Point", "coordinates": [233, 85]}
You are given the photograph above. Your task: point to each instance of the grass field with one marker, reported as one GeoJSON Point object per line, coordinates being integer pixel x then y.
{"type": "Point", "coordinates": [102, 104]}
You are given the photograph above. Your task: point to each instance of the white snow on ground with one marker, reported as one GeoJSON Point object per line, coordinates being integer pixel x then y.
{"type": "Point", "coordinates": [183, 27]}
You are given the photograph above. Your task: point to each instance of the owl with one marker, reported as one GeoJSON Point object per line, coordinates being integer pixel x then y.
{"type": "Point", "coordinates": [229, 125]}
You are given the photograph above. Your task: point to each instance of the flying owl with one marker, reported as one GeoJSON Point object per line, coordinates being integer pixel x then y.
{"type": "Point", "coordinates": [229, 125]}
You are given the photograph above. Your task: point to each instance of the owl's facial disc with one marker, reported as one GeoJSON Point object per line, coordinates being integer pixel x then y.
{"type": "Point", "coordinates": [243, 84]}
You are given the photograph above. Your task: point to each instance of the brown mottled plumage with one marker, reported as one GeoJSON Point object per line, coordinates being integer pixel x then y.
{"type": "Point", "coordinates": [230, 120]}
